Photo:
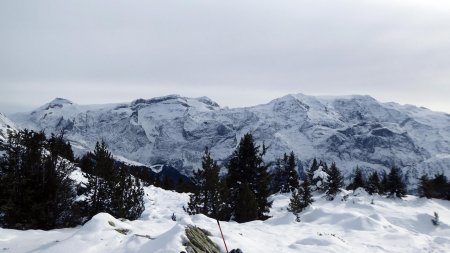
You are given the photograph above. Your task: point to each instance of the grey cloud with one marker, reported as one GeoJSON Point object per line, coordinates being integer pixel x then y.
{"type": "Point", "coordinates": [236, 52]}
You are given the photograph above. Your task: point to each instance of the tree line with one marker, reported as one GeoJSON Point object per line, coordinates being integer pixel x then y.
{"type": "Point", "coordinates": [242, 193]}
{"type": "Point", "coordinates": [37, 190]}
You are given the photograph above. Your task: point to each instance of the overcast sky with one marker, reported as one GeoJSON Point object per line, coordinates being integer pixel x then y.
{"type": "Point", "coordinates": [238, 53]}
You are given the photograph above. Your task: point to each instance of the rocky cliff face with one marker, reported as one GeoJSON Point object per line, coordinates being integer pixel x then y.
{"type": "Point", "coordinates": [174, 130]}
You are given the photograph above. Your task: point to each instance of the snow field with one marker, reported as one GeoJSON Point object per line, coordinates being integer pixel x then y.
{"type": "Point", "coordinates": [354, 225]}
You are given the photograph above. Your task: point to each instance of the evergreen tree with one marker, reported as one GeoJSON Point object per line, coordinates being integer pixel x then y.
{"type": "Point", "coordinates": [305, 188]}
{"type": "Point", "coordinates": [296, 204]}
{"type": "Point", "coordinates": [373, 184]}
{"type": "Point", "coordinates": [301, 198]}
{"type": "Point", "coordinates": [246, 167]}
{"type": "Point", "coordinates": [292, 180]}
{"type": "Point", "coordinates": [262, 191]}
{"type": "Point", "coordinates": [395, 184]}
{"type": "Point", "coordinates": [59, 147]}
{"type": "Point", "coordinates": [310, 172]}
{"type": "Point", "coordinates": [358, 180]}
{"type": "Point", "coordinates": [279, 179]}
{"type": "Point", "coordinates": [206, 198]}
{"type": "Point", "coordinates": [224, 209]}
{"type": "Point", "coordinates": [425, 186]}
{"type": "Point", "coordinates": [167, 183]}
{"type": "Point", "coordinates": [37, 192]}
{"type": "Point", "coordinates": [319, 176]}
{"type": "Point", "coordinates": [285, 177]}
{"type": "Point", "coordinates": [334, 182]}
{"type": "Point", "coordinates": [324, 166]}
{"type": "Point", "coordinates": [111, 189]}
{"type": "Point", "coordinates": [100, 181]}
{"type": "Point", "coordinates": [438, 187]}
{"type": "Point", "coordinates": [246, 205]}
{"type": "Point", "coordinates": [384, 183]}
{"type": "Point", "coordinates": [127, 196]}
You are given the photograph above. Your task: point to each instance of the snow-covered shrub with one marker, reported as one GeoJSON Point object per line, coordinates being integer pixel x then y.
{"type": "Point", "coordinates": [435, 219]}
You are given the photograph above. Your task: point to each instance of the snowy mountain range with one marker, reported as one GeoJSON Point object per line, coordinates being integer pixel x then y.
{"type": "Point", "coordinates": [174, 130]}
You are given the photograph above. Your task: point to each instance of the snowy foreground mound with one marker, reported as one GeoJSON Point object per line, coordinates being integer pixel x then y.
{"type": "Point", "coordinates": [354, 225]}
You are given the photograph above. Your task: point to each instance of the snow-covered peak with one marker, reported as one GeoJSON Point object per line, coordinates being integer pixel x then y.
{"type": "Point", "coordinates": [201, 103]}
{"type": "Point", "coordinates": [56, 103]}
{"type": "Point", "coordinates": [155, 100]}
{"type": "Point", "coordinates": [208, 101]}
{"type": "Point", "coordinates": [61, 101]}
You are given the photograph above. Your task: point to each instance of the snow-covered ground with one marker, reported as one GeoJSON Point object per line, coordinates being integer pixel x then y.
{"type": "Point", "coordinates": [354, 225]}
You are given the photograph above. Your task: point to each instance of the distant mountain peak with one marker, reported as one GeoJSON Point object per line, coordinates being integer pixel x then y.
{"type": "Point", "coordinates": [174, 97]}
{"type": "Point", "coordinates": [61, 101]}
{"type": "Point", "coordinates": [208, 101]}
{"type": "Point", "coordinates": [154, 100]}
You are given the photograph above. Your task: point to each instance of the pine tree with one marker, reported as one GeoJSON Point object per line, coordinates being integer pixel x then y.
{"type": "Point", "coordinates": [301, 198]}
{"type": "Point", "coordinates": [100, 182]}
{"type": "Point", "coordinates": [224, 209]}
{"type": "Point", "coordinates": [278, 180]}
{"type": "Point", "coordinates": [306, 193]}
{"type": "Point", "coordinates": [441, 189]}
{"type": "Point", "coordinates": [384, 183]}
{"type": "Point", "coordinates": [196, 198]}
{"type": "Point", "coordinates": [373, 184]}
{"type": "Point", "coordinates": [246, 206]}
{"type": "Point", "coordinates": [319, 176]}
{"type": "Point", "coordinates": [127, 196]}
{"type": "Point", "coordinates": [262, 192]}
{"type": "Point", "coordinates": [296, 204]}
{"type": "Point", "coordinates": [59, 147]}
{"type": "Point", "coordinates": [310, 172]}
{"type": "Point", "coordinates": [206, 198]}
{"type": "Point", "coordinates": [292, 180]}
{"type": "Point", "coordinates": [37, 192]}
{"type": "Point", "coordinates": [438, 187]}
{"type": "Point", "coordinates": [111, 189]}
{"type": "Point", "coordinates": [424, 186]}
{"type": "Point", "coordinates": [334, 182]}
{"type": "Point", "coordinates": [358, 180]}
{"type": "Point", "coordinates": [395, 185]}
{"type": "Point", "coordinates": [246, 167]}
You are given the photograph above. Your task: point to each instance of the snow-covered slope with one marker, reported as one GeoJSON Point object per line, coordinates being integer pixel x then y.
{"type": "Point", "coordinates": [173, 130]}
{"type": "Point", "coordinates": [360, 224]}
{"type": "Point", "coordinates": [6, 125]}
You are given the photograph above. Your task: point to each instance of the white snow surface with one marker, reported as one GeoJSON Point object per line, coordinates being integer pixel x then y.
{"type": "Point", "coordinates": [354, 225]}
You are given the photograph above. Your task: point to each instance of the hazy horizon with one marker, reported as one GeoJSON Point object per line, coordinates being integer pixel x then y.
{"type": "Point", "coordinates": [28, 109]}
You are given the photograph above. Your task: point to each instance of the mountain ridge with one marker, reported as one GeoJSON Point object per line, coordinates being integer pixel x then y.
{"type": "Point", "coordinates": [354, 130]}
